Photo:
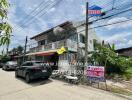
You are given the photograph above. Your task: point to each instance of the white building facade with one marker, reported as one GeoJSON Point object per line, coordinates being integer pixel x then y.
{"type": "Point", "coordinates": [70, 35]}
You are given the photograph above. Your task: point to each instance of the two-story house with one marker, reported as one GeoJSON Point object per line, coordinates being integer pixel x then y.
{"type": "Point", "coordinates": [69, 35]}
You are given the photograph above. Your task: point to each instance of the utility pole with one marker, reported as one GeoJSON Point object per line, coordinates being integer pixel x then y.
{"type": "Point", "coordinates": [86, 35]}
{"type": "Point", "coordinates": [25, 48]}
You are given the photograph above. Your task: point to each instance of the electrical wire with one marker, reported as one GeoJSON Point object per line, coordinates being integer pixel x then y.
{"type": "Point", "coordinates": [35, 9]}
{"type": "Point", "coordinates": [53, 5]}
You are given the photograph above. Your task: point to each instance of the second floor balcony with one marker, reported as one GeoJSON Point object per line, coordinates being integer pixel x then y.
{"type": "Point", "coordinates": [70, 44]}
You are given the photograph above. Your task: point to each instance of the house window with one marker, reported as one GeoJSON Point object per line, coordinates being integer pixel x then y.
{"type": "Point", "coordinates": [82, 38]}
{"type": "Point", "coordinates": [43, 42]}
{"type": "Point", "coordinates": [74, 37]}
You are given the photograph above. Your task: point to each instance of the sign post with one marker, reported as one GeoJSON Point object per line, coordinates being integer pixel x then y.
{"type": "Point", "coordinates": [96, 74]}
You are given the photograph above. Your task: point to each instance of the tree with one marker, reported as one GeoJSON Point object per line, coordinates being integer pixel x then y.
{"type": "Point", "coordinates": [14, 50]}
{"type": "Point", "coordinates": [17, 50]}
{"type": "Point", "coordinates": [5, 28]}
{"type": "Point", "coordinates": [20, 49]}
{"type": "Point", "coordinates": [4, 58]}
{"type": "Point", "coordinates": [105, 55]}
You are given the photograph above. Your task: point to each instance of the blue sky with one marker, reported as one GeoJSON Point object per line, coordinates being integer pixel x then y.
{"type": "Point", "coordinates": [19, 14]}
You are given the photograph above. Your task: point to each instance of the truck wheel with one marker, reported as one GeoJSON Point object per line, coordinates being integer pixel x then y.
{"type": "Point", "coordinates": [27, 78]}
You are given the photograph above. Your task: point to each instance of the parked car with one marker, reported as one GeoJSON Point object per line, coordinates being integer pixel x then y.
{"type": "Point", "coordinates": [10, 65]}
{"type": "Point", "coordinates": [1, 64]}
{"type": "Point", "coordinates": [33, 70]}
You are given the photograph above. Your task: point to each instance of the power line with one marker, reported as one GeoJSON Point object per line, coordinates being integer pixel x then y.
{"type": "Point", "coordinates": [107, 24]}
{"type": "Point", "coordinates": [113, 15]}
{"type": "Point", "coordinates": [33, 12]}
{"type": "Point", "coordinates": [35, 9]}
{"type": "Point", "coordinates": [111, 23]}
{"type": "Point", "coordinates": [107, 16]}
{"type": "Point", "coordinates": [96, 27]}
{"type": "Point", "coordinates": [104, 18]}
{"type": "Point", "coordinates": [42, 10]}
{"type": "Point", "coordinates": [45, 12]}
{"type": "Point", "coordinates": [53, 5]}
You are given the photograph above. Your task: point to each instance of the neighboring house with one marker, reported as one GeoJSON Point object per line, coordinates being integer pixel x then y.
{"type": "Point", "coordinates": [69, 35]}
{"type": "Point", "coordinates": [125, 51]}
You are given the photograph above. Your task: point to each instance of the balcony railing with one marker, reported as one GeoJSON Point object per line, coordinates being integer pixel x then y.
{"type": "Point", "coordinates": [71, 45]}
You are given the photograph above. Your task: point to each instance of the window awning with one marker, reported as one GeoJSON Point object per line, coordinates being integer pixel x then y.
{"type": "Point", "coordinates": [44, 53]}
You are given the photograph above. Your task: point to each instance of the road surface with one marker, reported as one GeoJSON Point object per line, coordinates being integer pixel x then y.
{"type": "Point", "coordinates": [16, 89]}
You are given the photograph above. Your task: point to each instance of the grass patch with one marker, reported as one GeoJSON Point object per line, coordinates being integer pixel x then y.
{"type": "Point", "coordinates": [114, 89]}
{"type": "Point", "coordinates": [128, 74]}
{"type": "Point", "coordinates": [121, 91]}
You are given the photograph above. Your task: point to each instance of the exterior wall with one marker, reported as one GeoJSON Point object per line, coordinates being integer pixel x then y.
{"type": "Point", "coordinates": [39, 38]}
{"type": "Point", "coordinates": [91, 35]}
{"type": "Point", "coordinates": [66, 60]}
{"type": "Point", "coordinates": [70, 43]}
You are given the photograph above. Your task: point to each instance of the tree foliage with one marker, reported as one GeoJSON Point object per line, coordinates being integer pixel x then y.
{"type": "Point", "coordinates": [105, 55]}
{"type": "Point", "coordinates": [17, 50]}
{"type": "Point", "coordinates": [5, 28]}
{"type": "Point", "coordinates": [4, 58]}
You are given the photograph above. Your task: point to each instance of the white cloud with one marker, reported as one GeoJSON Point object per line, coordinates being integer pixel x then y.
{"type": "Point", "coordinates": [117, 38]}
{"type": "Point", "coordinates": [130, 43]}
{"type": "Point", "coordinates": [120, 25]}
{"type": "Point", "coordinates": [83, 9]}
{"type": "Point", "coordinates": [121, 45]}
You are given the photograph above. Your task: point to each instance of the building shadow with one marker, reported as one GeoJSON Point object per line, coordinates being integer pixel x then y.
{"type": "Point", "coordinates": [11, 70]}
{"type": "Point", "coordinates": [36, 82]}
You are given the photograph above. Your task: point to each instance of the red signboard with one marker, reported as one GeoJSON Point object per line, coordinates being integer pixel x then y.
{"type": "Point", "coordinates": [96, 73]}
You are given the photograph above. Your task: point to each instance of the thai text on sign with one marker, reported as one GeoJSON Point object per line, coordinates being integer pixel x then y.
{"type": "Point", "coordinates": [95, 71]}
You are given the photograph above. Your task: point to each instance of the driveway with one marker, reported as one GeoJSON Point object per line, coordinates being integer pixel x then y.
{"type": "Point", "coordinates": [16, 89]}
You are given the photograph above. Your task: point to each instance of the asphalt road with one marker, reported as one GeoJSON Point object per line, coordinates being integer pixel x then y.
{"type": "Point", "coordinates": [16, 89]}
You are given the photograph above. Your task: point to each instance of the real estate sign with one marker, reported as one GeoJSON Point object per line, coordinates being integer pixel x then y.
{"type": "Point", "coordinates": [94, 10]}
{"type": "Point", "coordinates": [96, 73]}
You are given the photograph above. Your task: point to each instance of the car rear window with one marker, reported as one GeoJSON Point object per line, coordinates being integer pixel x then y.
{"type": "Point", "coordinates": [12, 62]}
{"type": "Point", "coordinates": [39, 63]}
